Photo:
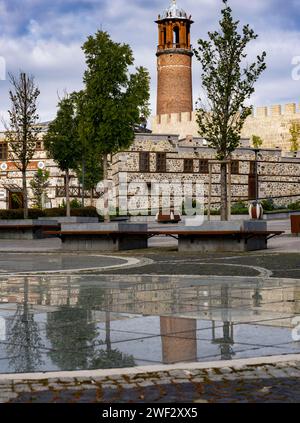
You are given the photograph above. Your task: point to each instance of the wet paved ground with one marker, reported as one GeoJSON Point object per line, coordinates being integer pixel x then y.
{"type": "Point", "coordinates": [76, 322]}
{"type": "Point", "coordinates": [241, 305]}
{"type": "Point", "coordinates": [40, 262]}
{"type": "Point", "coordinates": [266, 383]}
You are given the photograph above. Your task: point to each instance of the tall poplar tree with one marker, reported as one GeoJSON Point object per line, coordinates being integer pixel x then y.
{"type": "Point", "coordinates": [227, 81]}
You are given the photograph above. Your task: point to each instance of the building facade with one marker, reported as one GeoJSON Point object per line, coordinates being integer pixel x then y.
{"type": "Point", "coordinates": [173, 152]}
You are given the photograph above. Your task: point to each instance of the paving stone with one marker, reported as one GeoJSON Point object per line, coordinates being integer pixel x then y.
{"type": "Point", "coordinates": [88, 386]}
{"type": "Point", "coordinates": [198, 380]}
{"type": "Point", "coordinates": [21, 388]}
{"type": "Point", "coordinates": [66, 380]}
{"type": "Point", "coordinates": [145, 384]}
{"type": "Point", "coordinates": [39, 388]}
{"type": "Point", "coordinates": [125, 386]}
{"type": "Point", "coordinates": [277, 373]}
{"type": "Point", "coordinates": [111, 386]}
{"type": "Point", "coordinates": [225, 370]}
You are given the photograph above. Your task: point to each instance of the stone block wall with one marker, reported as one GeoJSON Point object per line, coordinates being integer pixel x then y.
{"type": "Point", "coordinates": [272, 124]}
{"type": "Point", "coordinates": [279, 177]}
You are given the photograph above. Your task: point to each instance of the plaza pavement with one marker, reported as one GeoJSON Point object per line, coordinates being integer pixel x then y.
{"type": "Point", "coordinates": [273, 379]}
{"type": "Point", "coordinates": [247, 381]}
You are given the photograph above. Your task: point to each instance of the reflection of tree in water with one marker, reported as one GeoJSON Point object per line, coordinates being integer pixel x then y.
{"type": "Point", "coordinates": [24, 340]}
{"type": "Point", "coordinates": [75, 338]}
{"type": "Point", "coordinates": [72, 332]}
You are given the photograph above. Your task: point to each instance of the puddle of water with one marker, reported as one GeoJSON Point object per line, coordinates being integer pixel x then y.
{"type": "Point", "coordinates": [91, 322]}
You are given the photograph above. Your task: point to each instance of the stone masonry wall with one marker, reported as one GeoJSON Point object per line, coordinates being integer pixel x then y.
{"type": "Point", "coordinates": [279, 177]}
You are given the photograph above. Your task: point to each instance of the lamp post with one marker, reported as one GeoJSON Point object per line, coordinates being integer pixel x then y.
{"type": "Point", "coordinates": [256, 151]}
{"type": "Point", "coordinates": [255, 210]}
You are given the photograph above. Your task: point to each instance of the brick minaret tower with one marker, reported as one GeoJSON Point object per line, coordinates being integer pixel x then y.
{"type": "Point", "coordinates": [174, 62]}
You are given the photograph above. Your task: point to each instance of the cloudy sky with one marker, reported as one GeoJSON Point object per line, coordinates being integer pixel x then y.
{"type": "Point", "coordinates": [44, 38]}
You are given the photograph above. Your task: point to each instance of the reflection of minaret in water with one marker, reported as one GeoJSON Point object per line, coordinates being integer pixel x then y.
{"type": "Point", "coordinates": [179, 342]}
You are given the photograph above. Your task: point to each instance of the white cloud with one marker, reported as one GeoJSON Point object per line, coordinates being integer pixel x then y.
{"type": "Point", "coordinates": [44, 38]}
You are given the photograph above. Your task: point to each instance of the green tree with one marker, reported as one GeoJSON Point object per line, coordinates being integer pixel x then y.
{"type": "Point", "coordinates": [63, 143]}
{"type": "Point", "coordinates": [116, 100]}
{"type": "Point", "coordinates": [295, 134]}
{"type": "Point", "coordinates": [257, 142]}
{"type": "Point", "coordinates": [227, 83]}
{"type": "Point", "coordinates": [39, 185]}
{"type": "Point", "coordinates": [22, 132]}
{"type": "Point", "coordinates": [90, 169]}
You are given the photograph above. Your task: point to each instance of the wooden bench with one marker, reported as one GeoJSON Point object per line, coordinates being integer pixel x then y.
{"type": "Point", "coordinates": [167, 218]}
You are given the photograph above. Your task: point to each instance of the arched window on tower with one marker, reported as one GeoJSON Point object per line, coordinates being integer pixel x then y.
{"type": "Point", "coordinates": [188, 36]}
{"type": "Point", "coordinates": [176, 36]}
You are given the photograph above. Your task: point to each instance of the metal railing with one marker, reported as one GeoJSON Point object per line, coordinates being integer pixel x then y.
{"type": "Point", "coordinates": [174, 45]}
{"type": "Point", "coordinates": [75, 192]}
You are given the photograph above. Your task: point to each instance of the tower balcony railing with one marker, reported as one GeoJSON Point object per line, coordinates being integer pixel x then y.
{"type": "Point", "coordinates": [174, 45]}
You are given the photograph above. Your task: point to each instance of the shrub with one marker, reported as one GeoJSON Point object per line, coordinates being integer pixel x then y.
{"type": "Point", "coordinates": [294, 206]}
{"type": "Point", "coordinates": [268, 205]}
{"type": "Point", "coordinates": [55, 212]}
{"type": "Point", "coordinates": [239, 208]}
{"type": "Point", "coordinates": [19, 214]}
{"type": "Point", "coordinates": [78, 212]}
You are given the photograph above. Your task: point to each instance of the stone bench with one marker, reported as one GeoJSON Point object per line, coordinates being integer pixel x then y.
{"type": "Point", "coordinates": [103, 237]}
{"type": "Point", "coordinates": [26, 229]}
{"type": "Point", "coordinates": [232, 236]}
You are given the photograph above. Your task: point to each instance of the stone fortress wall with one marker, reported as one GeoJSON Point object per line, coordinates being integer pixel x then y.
{"type": "Point", "coordinates": [279, 175]}
{"type": "Point", "coordinates": [272, 124]}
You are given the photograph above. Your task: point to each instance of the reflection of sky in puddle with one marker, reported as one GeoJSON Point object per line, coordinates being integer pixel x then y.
{"type": "Point", "coordinates": [87, 322]}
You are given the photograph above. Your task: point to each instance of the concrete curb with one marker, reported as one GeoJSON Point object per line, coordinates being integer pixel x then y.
{"type": "Point", "coordinates": [258, 361]}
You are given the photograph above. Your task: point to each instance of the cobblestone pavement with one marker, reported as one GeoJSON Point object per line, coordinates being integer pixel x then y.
{"type": "Point", "coordinates": [260, 384]}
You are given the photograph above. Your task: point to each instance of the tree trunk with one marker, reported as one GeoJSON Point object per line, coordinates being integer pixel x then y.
{"type": "Point", "coordinates": [224, 193]}
{"type": "Point", "coordinates": [91, 198]}
{"type": "Point", "coordinates": [25, 196]}
{"type": "Point", "coordinates": [106, 193]}
{"type": "Point", "coordinates": [68, 193]}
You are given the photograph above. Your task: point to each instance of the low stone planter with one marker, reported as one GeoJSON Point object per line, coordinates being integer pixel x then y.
{"type": "Point", "coordinates": [72, 219]}
{"type": "Point", "coordinates": [224, 237]}
{"type": "Point", "coordinates": [103, 237]}
{"type": "Point", "coordinates": [26, 229]}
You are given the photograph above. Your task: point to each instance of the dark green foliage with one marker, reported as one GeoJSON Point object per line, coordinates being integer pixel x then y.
{"type": "Point", "coordinates": [55, 212]}
{"type": "Point", "coordinates": [111, 359]}
{"type": "Point", "coordinates": [294, 206]}
{"type": "Point", "coordinates": [268, 204]}
{"type": "Point", "coordinates": [239, 208]}
{"type": "Point", "coordinates": [62, 140]}
{"type": "Point", "coordinates": [19, 214]}
{"type": "Point", "coordinates": [115, 100]}
{"type": "Point", "coordinates": [227, 82]}
{"type": "Point", "coordinates": [78, 212]}
{"type": "Point", "coordinates": [39, 185]}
